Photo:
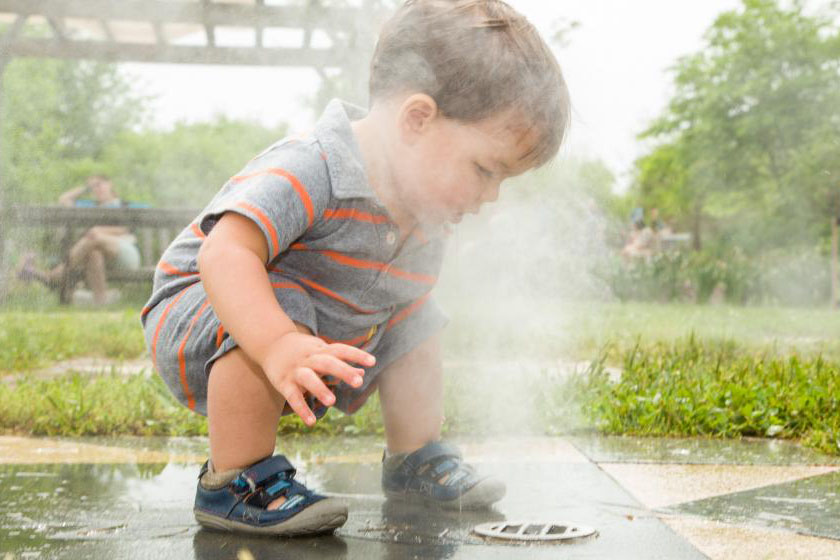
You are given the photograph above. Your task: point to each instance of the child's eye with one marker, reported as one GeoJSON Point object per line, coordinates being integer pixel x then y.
{"type": "Point", "coordinates": [484, 171]}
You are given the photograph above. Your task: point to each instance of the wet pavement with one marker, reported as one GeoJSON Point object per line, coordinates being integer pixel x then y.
{"type": "Point", "coordinates": [132, 498]}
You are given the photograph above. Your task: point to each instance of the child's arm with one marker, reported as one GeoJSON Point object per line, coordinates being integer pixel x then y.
{"type": "Point", "coordinates": [232, 267]}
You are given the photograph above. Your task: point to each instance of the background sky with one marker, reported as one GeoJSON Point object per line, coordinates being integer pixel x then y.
{"type": "Point", "coordinates": [615, 64]}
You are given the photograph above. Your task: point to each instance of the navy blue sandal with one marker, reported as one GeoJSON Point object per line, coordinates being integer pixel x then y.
{"type": "Point", "coordinates": [435, 474]}
{"type": "Point", "coordinates": [241, 504]}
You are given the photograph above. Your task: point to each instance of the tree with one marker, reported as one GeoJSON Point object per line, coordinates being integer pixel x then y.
{"type": "Point", "coordinates": [184, 167]}
{"type": "Point", "coordinates": [750, 137]}
{"type": "Point", "coordinates": [58, 118]}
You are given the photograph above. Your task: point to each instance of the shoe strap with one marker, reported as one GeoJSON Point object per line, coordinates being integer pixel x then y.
{"type": "Point", "coordinates": [276, 466]}
{"type": "Point", "coordinates": [429, 453]}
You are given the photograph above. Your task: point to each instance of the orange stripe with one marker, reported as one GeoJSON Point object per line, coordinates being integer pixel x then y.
{"type": "Point", "coordinates": [145, 311]}
{"type": "Point", "coordinates": [162, 319]}
{"type": "Point", "coordinates": [352, 342]}
{"type": "Point", "coordinates": [393, 271]}
{"type": "Point", "coordinates": [266, 222]}
{"type": "Point", "coordinates": [359, 340]}
{"type": "Point", "coordinates": [220, 335]}
{"type": "Point", "coordinates": [301, 191]}
{"type": "Point", "coordinates": [182, 362]}
{"type": "Point", "coordinates": [353, 214]}
{"type": "Point", "coordinates": [172, 271]}
{"type": "Point", "coordinates": [407, 311]}
{"type": "Point", "coordinates": [197, 230]}
{"type": "Point", "coordinates": [289, 285]}
{"type": "Point", "coordinates": [328, 292]}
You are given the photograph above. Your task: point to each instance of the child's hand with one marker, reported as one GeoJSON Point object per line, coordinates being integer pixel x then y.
{"type": "Point", "coordinates": [296, 362]}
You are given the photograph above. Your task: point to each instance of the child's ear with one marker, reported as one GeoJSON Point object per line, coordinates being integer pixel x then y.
{"type": "Point", "coordinates": [415, 116]}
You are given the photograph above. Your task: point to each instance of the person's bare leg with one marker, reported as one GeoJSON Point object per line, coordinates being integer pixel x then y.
{"type": "Point", "coordinates": [243, 411]}
{"type": "Point", "coordinates": [88, 254]}
{"type": "Point", "coordinates": [411, 393]}
{"type": "Point", "coordinates": [95, 276]}
{"type": "Point", "coordinates": [93, 240]}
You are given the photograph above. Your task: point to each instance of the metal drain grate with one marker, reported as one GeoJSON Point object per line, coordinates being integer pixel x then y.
{"type": "Point", "coordinates": [534, 531]}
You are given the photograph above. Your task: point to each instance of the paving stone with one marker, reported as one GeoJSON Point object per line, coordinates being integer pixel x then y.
{"type": "Point", "coordinates": [809, 506]}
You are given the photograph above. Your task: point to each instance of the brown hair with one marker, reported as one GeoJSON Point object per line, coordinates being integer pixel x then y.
{"type": "Point", "coordinates": [476, 59]}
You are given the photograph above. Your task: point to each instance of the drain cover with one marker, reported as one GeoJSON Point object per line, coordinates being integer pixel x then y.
{"type": "Point", "coordinates": [534, 531]}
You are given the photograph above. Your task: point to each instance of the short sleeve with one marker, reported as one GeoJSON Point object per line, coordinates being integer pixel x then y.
{"type": "Point", "coordinates": [283, 191]}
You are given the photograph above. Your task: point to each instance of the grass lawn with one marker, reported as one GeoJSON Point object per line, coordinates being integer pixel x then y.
{"type": "Point", "coordinates": [31, 339]}
{"type": "Point", "coordinates": [745, 371]}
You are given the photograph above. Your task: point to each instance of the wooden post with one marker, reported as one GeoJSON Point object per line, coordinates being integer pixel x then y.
{"type": "Point", "coordinates": [4, 273]}
{"type": "Point", "coordinates": [835, 260]}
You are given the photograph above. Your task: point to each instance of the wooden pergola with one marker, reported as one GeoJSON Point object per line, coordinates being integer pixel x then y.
{"type": "Point", "coordinates": [275, 33]}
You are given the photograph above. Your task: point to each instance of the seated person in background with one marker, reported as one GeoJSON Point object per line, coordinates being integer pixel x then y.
{"type": "Point", "coordinates": [640, 242]}
{"type": "Point", "coordinates": [98, 249]}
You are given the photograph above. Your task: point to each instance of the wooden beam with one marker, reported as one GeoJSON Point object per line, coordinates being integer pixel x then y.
{"type": "Point", "coordinates": [52, 216]}
{"type": "Point", "coordinates": [178, 54]}
{"type": "Point", "coordinates": [4, 224]}
{"type": "Point", "coordinates": [160, 36]}
{"type": "Point", "coordinates": [168, 11]}
{"type": "Point", "coordinates": [835, 260]}
{"type": "Point", "coordinates": [106, 28]}
{"type": "Point", "coordinates": [57, 28]}
{"type": "Point", "coordinates": [11, 34]}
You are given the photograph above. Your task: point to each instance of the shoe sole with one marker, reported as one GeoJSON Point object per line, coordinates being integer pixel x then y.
{"type": "Point", "coordinates": [324, 516]}
{"type": "Point", "coordinates": [482, 495]}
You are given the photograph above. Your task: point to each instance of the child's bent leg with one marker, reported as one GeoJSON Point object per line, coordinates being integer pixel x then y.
{"type": "Point", "coordinates": [411, 393]}
{"type": "Point", "coordinates": [243, 411]}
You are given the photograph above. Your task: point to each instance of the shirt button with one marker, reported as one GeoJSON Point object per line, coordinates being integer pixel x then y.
{"type": "Point", "coordinates": [391, 238]}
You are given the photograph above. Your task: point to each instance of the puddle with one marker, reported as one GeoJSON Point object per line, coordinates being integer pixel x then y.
{"type": "Point", "coordinates": [144, 510]}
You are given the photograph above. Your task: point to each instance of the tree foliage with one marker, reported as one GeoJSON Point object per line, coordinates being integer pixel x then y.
{"type": "Point", "coordinates": [749, 143]}
{"type": "Point", "coordinates": [58, 118]}
{"type": "Point", "coordinates": [64, 120]}
{"type": "Point", "coordinates": [185, 166]}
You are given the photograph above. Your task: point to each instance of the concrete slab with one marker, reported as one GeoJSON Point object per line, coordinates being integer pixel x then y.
{"type": "Point", "coordinates": [27, 451]}
{"type": "Point", "coordinates": [658, 486]}
{"type": "Point", "coordinates": [143, 510]}
{"type": "Point", "coordinates": [809, 506]}
{"type": "Point", "coordinates": [747, 451]}
{"type": "Point", "coordinates": [720, 541]}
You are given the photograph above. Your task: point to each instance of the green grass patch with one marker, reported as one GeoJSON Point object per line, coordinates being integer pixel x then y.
{"type": "Point", "coordinates": [139, 404]}
{"type": "Point", "coordinates": [718, 389]}
{"type": "Point", "coordinates": [32, 339]}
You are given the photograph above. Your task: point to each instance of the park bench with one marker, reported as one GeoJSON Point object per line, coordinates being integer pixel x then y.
{"type": "Point", "coordinates": [154, 228]}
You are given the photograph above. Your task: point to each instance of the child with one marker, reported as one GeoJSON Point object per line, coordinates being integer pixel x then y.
{"type": "Point", "coordinates": [305, 282]}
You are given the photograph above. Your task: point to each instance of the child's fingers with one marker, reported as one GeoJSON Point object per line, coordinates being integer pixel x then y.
{"type": "Point", "coordinates": [294, 397]}
{"type": "Point", "coordinates": [351, 354]}
{"type": "Point", "coordinates": [325, 364]}
{"type": "Point", "coordinates": [310, 381]}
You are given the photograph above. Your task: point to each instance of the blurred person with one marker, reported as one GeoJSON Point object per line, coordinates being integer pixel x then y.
{"type": "Point", "coordinates": [640, 243]}
{"type": "Point", "coordinates": [100, 248]}
{"type": "Point", "coordinates": [320, 255]}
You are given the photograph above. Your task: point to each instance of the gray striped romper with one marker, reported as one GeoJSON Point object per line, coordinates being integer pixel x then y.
{"type": "Point", "coordinates": [336, 264]}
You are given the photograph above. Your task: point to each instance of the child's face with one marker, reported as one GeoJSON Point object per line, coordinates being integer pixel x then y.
{"type": "Point", "coordinates": [446, 168]}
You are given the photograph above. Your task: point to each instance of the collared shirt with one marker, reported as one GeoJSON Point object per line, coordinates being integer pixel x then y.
{"type": "Point", "coordinates": [335, 259]}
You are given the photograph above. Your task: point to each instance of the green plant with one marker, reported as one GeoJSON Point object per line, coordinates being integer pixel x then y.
{"type": "Point", "coordinates": [696, 388]}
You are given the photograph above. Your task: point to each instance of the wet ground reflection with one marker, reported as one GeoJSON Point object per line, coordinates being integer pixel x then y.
{"type": "Point", "coordinates": [144, 510]}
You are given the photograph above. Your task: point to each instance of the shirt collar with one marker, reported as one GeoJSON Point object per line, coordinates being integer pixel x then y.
{"type": "Point", "coordinates": [344, 158]}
